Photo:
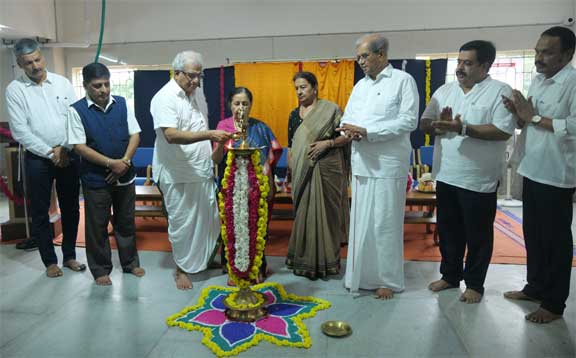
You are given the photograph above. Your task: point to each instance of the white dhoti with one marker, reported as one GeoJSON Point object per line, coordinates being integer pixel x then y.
{"type": "Point", "coordinates": [193, 223]}
{"type": "Point", "coordinates": [376, 241]}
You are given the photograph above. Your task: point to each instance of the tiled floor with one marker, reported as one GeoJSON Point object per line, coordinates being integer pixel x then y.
{"type": "Point", "coordinates": [72, 317]}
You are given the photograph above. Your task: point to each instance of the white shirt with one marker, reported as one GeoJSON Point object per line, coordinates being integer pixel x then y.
{"type": "Point", "coordinates": [387, 108]}
{"type": "Point", "coordinates": [550, 157]}
{"type": "Point", "coordinates": [179, 163]}
{"type": "Point", "coordinates": [37, 113]}
{"type": "Point", "coordinates": [465, 162]}
{"type": "Point", "coordinates": [76, 132]}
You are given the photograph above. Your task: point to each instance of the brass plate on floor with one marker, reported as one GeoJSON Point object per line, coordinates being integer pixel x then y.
{"type": "Point", "coordinates": [336, 328]}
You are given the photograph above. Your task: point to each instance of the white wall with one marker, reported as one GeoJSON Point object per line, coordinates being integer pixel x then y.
{"type": "Point", "coordinates": [28, 18]}
{"type": "Point", "coordinates": [220, 52]}
{"type": "Point", "coordinates": [6, 75]}
{"type": "Point", "coordinates": [145, 32]}
{"type": "Point", "coordinates": [131, 21]}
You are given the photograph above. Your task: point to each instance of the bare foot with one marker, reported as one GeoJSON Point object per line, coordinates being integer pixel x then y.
{"type": "Point", "coordinates": [138, 271]}
{"type": "Point", "coordinates": [519, 295]}
{"type": "Point", "coordinates": [74, 265]}
{"type": "Point", "coordinates": [440, 285]}
{"type": "Point", "coordinates": [53, 271]}
{"type": "Point", "coordinates": [182, 280]}
{"type": "Point", "coordinates": [103, 281]}
{"type": "Point", "coordinates": [542, 315]}
{"type": "Point", "coordinates": [471, 296]}
{"type": "Point", "coordinates": [384, 293]}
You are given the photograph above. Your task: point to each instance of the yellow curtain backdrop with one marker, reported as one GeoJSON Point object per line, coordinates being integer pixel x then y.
{"type": "Point", "coordinates": [273, 90]}
{"type": "Point", "coordinates": [335, 80]}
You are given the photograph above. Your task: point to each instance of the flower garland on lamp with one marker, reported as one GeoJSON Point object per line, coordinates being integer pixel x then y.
{"type": "Point", "coordinates": [244, 224]}
{"type": "Point", "coordinates": [244, 215]}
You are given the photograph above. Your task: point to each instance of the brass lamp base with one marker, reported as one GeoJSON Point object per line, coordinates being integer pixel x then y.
{"type": "Point", "coordinates": [245, 305]}
{"type": "Point", "coordinates": [244, 150]}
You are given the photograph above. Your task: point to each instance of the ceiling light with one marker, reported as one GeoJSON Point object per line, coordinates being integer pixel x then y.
{"type": "Point", "coordinates": [111, 59]}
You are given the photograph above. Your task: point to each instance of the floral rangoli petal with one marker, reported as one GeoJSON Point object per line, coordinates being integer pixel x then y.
{"type": "Point", "coordinates": [218, 302]}
{"type": "Point", "coordinates": [270, 298]}
{"type": "Point", "coordinates": [273, 325]}
{"type": "Point", "coordinates": [283, 309]}
{"type": "Point", "coordinates": [283, 326]}
{"type": "Point", "coordinates": [235, 332]}
{"type": "Point", "coordinates": [211, 317]}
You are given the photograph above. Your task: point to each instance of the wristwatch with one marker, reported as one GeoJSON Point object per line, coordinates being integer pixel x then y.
{"type": "Point", "coordinates": [463, 131]}
{"type": "Point", "coordinates": [536, 119]}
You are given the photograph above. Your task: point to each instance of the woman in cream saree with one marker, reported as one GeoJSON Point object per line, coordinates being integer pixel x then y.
{"type": "Point", "coordinates": [320, 169]}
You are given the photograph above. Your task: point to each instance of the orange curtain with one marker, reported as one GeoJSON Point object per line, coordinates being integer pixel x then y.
{"type": "Point", "coordinates": [274, 98]}
{"type": "Point", "coordinates": [273, 89]}
{"type": "Point", "coordinates": [335, 80]}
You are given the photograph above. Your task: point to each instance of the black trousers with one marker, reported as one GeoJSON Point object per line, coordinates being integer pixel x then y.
{"type": "Point", "coordinates": [41, 174]}
{"type": "Point", "coordinates": [547, 219]}
{"type": "Point", "coordinates": [97, 208]}
{"type": "Point", "coordinates": [465, 222]}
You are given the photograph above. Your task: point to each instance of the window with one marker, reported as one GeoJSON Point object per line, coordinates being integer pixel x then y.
{"type": "Point", "coordinates": [515, 68]}
{"type": "Point", "coordinates": [121, 81]}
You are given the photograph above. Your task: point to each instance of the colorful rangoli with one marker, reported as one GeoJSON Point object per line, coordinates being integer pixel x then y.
{"type": "Point", "coordinates": [283, 326]}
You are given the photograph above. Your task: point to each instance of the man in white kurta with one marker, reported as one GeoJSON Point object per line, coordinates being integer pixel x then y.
{"type": "Point", "coordinates": [183, 168]}
{"type": "Point", "coordinates": [380, 114]}
{"type": "Point", "coordinates": [468, 161]}
{"type": "Point", "coordinates": [548, 165]}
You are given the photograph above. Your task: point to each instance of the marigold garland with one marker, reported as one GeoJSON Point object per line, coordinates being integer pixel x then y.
{"type": "Point", "coordinates": [231, 301]}
{"type": "Point", "coordinates": [258, 190]}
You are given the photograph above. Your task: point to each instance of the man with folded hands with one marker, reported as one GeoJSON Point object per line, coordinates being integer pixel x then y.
{"type": "Point", "coordinates": [471, 126]}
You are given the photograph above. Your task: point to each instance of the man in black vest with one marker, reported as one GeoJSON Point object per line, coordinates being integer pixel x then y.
{"type": "Point", "coordinates": [106, 134]}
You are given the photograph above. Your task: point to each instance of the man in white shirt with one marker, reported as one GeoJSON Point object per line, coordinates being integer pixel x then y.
{"type": "Point", "coordinates": [183, 167]}
{"type": "Point", "coordinates": [37, 104]}
{"type": "Point", "coordinates": [380, 114]}
{"type": "Point", "coordinates": [106, 134]}
{"type": "Point", "coordinates": [548, 165]}
{"type": "Point", "coordinates": [471, 126]}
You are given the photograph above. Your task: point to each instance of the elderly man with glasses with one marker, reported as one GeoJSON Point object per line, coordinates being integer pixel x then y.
{"type": "Point", "coordinates": [183, 167]}
{"type": "Point", "coordinates": [380, 114]}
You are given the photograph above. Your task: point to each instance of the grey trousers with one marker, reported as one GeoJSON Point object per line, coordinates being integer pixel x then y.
{"type": "Point", "coordinates": [97, 203]}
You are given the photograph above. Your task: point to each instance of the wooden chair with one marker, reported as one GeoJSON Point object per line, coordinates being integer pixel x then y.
{"type": "Point", "coordinates": [142, 162]}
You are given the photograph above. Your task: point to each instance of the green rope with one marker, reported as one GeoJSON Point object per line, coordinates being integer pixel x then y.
{"type": "Point", "coordinates": [102, 20]}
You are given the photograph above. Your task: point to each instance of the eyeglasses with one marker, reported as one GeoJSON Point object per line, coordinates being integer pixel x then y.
{"type": "Point", "coordinates": [194, 75]}
{"type": "Point", "coordinates": [362, 57]}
